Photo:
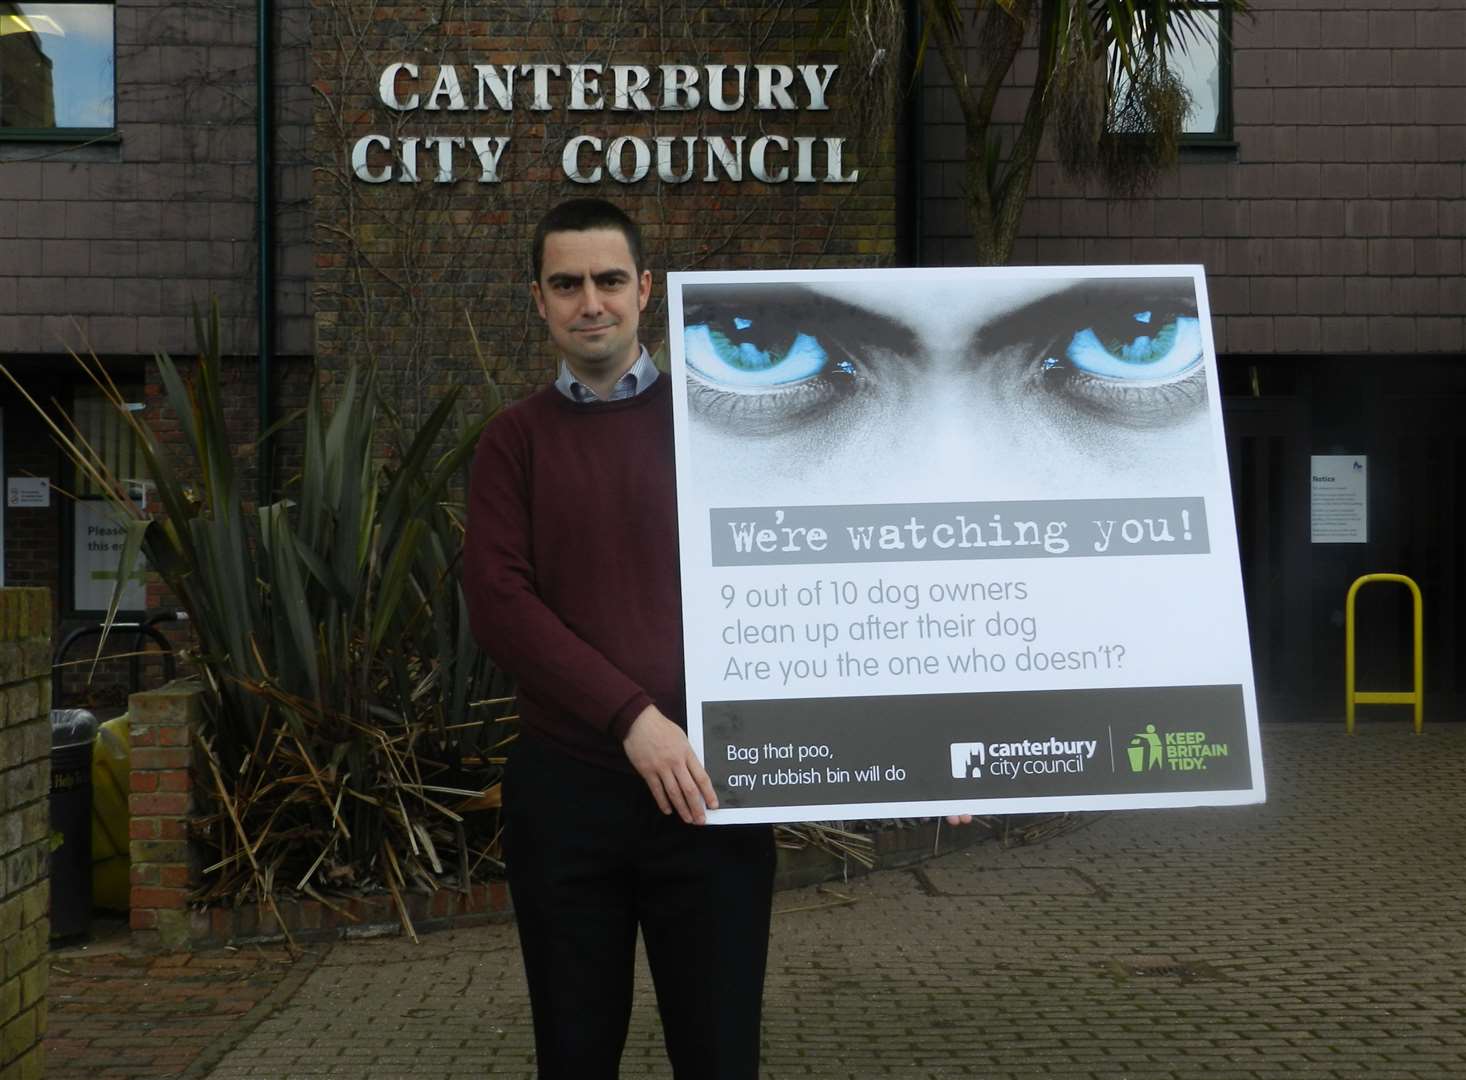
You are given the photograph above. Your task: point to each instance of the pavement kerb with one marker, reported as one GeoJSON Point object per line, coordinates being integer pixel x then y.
{"type": "Point", "coordinates": [300, 970]}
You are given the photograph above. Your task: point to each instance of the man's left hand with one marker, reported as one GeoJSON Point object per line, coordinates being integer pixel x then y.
{"type": "Point", "coordinates": [659, 750]}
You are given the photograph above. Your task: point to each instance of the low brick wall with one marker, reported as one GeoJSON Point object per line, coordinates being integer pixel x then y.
{"type": "Point", "coordinates": [166, 866]}
{"type": "Point", "coordinates": [25, 829]}
{"type": "Point", "coordinates": [350, 916]}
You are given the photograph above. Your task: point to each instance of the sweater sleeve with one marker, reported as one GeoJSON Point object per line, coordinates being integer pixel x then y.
{"type": "Point", "coordinates": [511, 622]}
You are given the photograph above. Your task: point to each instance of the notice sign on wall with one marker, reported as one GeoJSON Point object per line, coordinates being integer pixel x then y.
{"type": "Point", "coordinates": [958, 540]}
{"type": "Point", "coordinates": [1339, 498]}
{"type": "Point", "coordinates": [98, 536]}
{"type": "Point", "coordinates": [27, 492]}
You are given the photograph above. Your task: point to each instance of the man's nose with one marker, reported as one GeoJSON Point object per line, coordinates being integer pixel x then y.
{"type": "Point", "coordinates": [591, 301]}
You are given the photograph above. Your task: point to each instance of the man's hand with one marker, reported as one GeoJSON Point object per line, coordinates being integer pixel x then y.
{"type": "Point", "coordinates": [658, 749]}
{"type": "Point", "coordinates": [959, 819]}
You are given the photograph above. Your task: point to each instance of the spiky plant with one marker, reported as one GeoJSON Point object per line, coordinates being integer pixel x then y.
{"type": "Point", "coordinates": [350, 718]}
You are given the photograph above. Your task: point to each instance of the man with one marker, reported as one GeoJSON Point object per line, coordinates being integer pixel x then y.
{"type": "Point", "coordinates": [571, 574]}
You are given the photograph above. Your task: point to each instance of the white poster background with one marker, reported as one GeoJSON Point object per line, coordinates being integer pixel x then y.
{"type": "Point", "coordinates": [936, 387]}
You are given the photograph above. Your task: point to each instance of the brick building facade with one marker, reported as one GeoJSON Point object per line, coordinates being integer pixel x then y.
{"type": "Point", "coordinates": [708, 97]}
{"type": "Point", "coordinates": [109, 244]}
{"type": "Point", "coordinates": [1331, 228]}
{"type": "Point", "coordinates": [1330, 224]}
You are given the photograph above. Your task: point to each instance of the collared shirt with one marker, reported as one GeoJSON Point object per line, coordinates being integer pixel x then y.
{"type": "Point", "coordinates": [636, 381]}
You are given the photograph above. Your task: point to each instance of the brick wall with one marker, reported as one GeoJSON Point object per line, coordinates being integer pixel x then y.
{"type": "Point", "coordinates": [1336, 227]}
{"type": "Point", "coordinates": [111, 247]}
{"type": "Point", "coordinates": [402, 267]}
{"type": "Point", "coordinates": [33, 534]}
{"type": "Point", "coordinates": [126, 237]}
{"type": "Point", "coordinates": [25, 769]}
{"type": "Point", "coordinates": [159, 802]}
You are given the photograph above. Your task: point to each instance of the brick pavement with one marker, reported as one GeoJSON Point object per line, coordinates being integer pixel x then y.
{"type": "Point", "coordinates": [1319, 936]}
{"type": "Point", "coordinates": [117, 1014]}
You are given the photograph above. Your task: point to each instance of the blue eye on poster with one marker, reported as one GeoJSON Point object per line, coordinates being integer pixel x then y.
{"type": "Point", "coordinates": [958, 541]}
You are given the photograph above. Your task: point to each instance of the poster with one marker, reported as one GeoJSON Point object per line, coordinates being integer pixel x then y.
{"type": "Point", "coordinates": [98, 536]}
{"type": "Point", "coordinates": [1338, 498]}
{"type": "Point", "coordinates": [957, 540]}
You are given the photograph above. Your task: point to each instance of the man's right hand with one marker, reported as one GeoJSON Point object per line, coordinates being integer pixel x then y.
{"type": "Point", "coordinates": [659, 750]}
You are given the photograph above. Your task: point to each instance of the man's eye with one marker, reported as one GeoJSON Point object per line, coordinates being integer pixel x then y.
{"type": "Point", "coordinates": [739, 352]}
{"type": "Point", "coordinates": [1138, 347]}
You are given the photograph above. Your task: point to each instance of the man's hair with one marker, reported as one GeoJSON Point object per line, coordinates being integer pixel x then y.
{"type": "Point", "coordinates": [580, 215]}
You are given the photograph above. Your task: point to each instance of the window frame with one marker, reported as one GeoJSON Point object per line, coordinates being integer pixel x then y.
{"type": "Point", "coordinates": [74, 134]}
{"type": "Point", "coordinates": [1223, 137]}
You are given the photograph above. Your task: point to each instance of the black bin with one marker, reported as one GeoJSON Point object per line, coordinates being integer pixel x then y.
{"type": "Point", "coordinates": [72, 733]}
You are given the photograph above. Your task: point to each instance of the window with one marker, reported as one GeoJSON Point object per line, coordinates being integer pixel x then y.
{"type": "Point", "coordinates": [1205, 69]}
{"type": "Point", "coordinates": [1202, 60]}
{"type": "Point", "coordinates": [57, 71]}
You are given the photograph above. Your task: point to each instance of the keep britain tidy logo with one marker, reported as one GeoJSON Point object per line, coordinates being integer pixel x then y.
{"type": "Point", "coordinates": [1172, 751]}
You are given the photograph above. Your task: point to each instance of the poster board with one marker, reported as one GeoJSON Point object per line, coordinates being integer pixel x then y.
{"type": "Point", "coordinates": [957, 541]}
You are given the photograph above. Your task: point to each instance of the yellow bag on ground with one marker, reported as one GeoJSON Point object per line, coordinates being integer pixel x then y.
{"type": "Point", "coordinates": [111, 766]}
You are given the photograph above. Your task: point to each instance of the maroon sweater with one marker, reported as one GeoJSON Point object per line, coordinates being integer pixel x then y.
{"type": "Point", "coordinates": [570, 566]}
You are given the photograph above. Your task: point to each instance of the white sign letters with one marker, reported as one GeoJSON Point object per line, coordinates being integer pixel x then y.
{"type": "Point", "coordinates": [588, 158]}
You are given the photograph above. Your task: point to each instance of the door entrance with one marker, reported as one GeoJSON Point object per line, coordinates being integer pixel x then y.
{"type": "Point", "coordinates": [1267, 450]}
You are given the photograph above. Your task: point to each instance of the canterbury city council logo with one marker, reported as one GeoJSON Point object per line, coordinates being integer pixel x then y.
{"type": "Point", "coordinates": [968, 759]}
{"type": "Point", "coordinates": [1025, 757]}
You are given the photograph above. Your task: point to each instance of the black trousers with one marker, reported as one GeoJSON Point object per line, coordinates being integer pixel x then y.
{"type": "Point", "coordinates": [591, 859]}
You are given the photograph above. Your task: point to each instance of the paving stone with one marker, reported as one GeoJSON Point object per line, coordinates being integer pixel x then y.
{"type": "Point", "coordinates": [1316, 936]}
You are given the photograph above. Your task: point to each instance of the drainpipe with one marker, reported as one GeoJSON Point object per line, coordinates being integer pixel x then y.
{"type": "Point", "coordinates": [264, 261]}
{"type": "Point", "coordinates": [916, 145]}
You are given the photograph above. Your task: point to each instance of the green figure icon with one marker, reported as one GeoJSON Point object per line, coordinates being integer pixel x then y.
{"type": "Point", "coordinates": [1145, 750]}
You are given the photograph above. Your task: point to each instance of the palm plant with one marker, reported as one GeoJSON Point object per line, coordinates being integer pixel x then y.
{"type": "Point", "coordinates": [350, 718]}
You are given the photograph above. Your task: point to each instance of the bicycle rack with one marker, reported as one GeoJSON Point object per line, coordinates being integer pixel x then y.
{"type": "Point", "coordinates": [147, 628]}
{"type": "Point", "coordinates": [1354, 697]}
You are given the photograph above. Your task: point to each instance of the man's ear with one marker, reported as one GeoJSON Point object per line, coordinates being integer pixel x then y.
{"type": "Point", "coordinates": [643, 290]}
{"type": "Point", "coordinates": [539, 297]}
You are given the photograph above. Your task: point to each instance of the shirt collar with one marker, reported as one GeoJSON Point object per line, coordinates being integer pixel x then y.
{"type": "Point", "coordinates": [636, 381]}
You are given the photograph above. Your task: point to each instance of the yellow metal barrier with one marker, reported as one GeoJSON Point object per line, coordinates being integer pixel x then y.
{"type": "Point", "coordinates": [1383, 697]}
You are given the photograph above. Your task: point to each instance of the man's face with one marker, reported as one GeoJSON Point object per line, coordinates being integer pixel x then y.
{"type": "Point", "coordinates": [591, 298]}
